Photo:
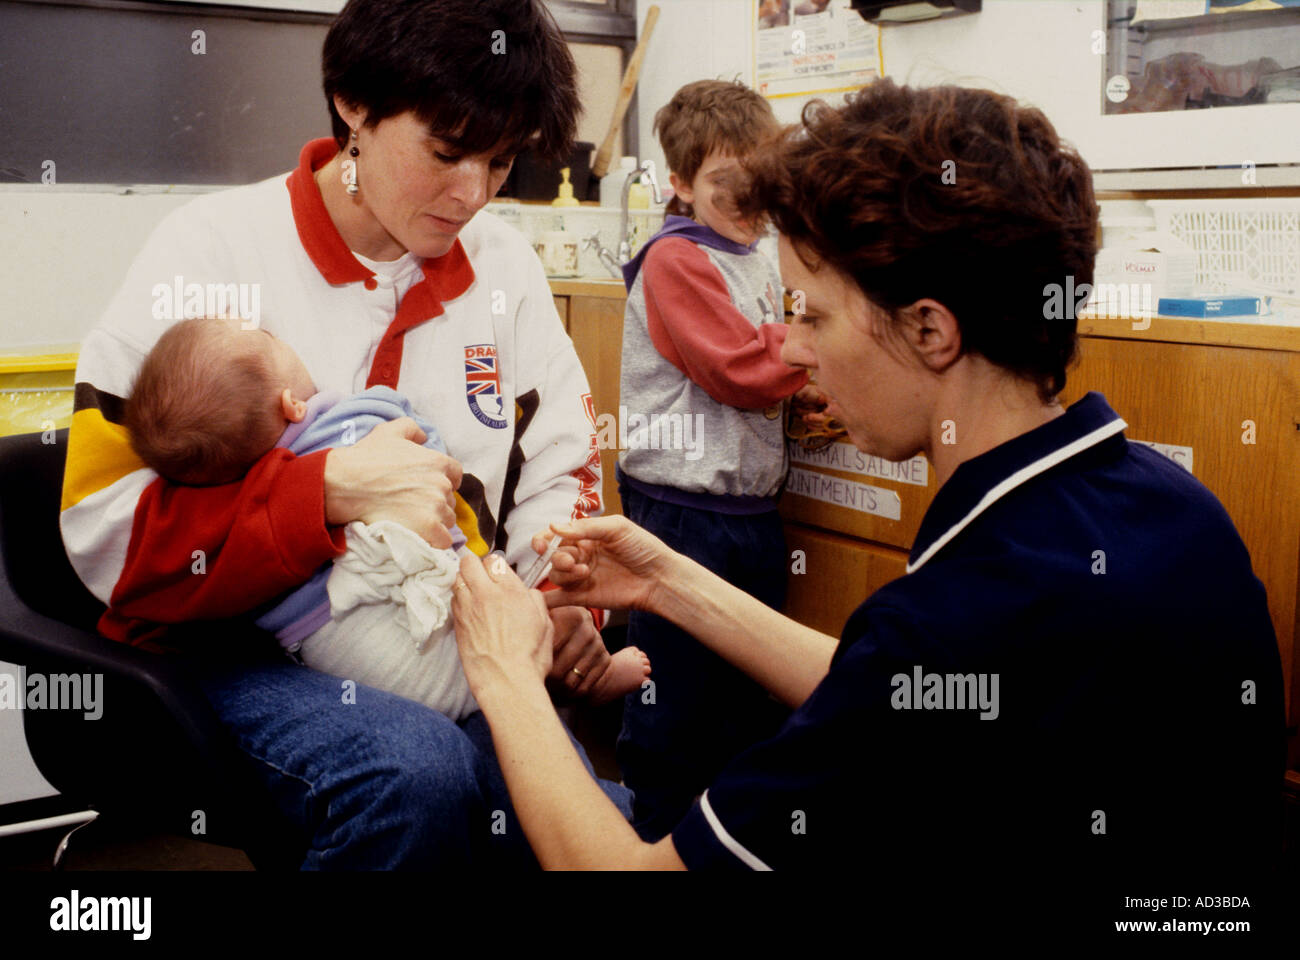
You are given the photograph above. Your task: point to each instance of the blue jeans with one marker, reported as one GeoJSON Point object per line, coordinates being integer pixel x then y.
{"type": "Point", "coordinates": [705, 711]}
{"type": "Point", "coordinates": [378, 784]}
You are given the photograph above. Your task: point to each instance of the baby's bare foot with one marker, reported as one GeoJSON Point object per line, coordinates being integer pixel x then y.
{"type": "Point", "coordinates": [627, 670]}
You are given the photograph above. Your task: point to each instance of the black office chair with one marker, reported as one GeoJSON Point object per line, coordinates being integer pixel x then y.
{"type": "Point", "coordinates": [158, 753]}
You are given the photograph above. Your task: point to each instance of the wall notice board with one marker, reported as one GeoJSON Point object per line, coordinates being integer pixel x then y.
{"type": "Point", "coordinates": [127, 93]}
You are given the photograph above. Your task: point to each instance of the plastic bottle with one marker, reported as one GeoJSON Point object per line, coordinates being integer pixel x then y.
{"type": "Point", "coordinates": [611, 184]}
{"type": "Point", "coordinates": [638, 197]}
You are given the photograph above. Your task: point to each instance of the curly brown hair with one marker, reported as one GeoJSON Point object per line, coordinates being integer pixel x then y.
{"type": "Point", "coordinates": [955, 194]}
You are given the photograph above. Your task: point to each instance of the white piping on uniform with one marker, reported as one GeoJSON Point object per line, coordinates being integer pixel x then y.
{"type": "Point", "coordinates": [728, 841]}
{"type": "Point", "coordinates": [1016, 479]}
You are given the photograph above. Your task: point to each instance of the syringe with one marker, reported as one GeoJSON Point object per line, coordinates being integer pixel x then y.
{"type": "Point", "coordinates": [542, 565]}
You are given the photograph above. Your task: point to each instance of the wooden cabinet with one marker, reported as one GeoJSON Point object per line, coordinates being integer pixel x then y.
{"type": "Point", "coordinates": [843, 485]}
{"type": "Point", "coordinates": [594, 312]}
{"type": "Point", "coordinates": [834, 574]}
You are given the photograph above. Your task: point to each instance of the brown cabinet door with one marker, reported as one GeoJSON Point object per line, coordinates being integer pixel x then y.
{"type": "Point", "coordinates": [830, 575]}
{"type": "Point", "coordinates": [596, 328]}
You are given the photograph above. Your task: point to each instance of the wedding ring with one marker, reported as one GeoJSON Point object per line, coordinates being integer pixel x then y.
{"type": "Point", "coordinates": [579, 673]}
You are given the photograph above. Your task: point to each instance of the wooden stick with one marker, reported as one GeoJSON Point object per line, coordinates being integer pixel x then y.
{"type": "Point", "coordinates": [630, 77]}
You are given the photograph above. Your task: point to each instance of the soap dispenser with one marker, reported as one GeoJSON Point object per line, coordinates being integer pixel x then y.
{"type": "Point", "coordinates": [564, 201]}
{"type": "Point", "coordinates": [565, 197]}
{"type": "Point", "coordinates": [558, 249]}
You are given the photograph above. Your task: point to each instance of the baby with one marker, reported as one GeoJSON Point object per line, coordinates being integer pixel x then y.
{"type": "Point", "coordinates": [209, 401]}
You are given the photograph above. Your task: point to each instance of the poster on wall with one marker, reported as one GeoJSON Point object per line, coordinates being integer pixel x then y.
{"type": "Point", "coordinates": [805, 47]}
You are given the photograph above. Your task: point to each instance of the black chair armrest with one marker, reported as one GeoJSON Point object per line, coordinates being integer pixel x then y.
{"type": "Point", "coordinates": [29, 638]}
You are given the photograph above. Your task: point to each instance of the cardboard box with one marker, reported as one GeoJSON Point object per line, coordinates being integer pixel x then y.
{"type": "Point", "coordinates": [1160, 260]}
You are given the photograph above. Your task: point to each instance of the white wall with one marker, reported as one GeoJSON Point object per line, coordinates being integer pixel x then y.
{"type": "Point", "coordinates": [63, 253]}
{"type": "Point", "coordinates": [62, 250]}
{"type": "Point", "coordinates": [694, 40]}
{"type": "Point", "coordinates": [1039, 50]}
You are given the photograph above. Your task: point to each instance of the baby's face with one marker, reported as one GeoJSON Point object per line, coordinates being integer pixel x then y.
{"type": "Point", "coordinates": [288, 366]}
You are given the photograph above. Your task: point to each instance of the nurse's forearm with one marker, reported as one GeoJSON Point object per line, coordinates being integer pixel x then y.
{"type": "Point", "coordinates": [784, 657]}
{"type": "Point", "coordinates": [568, 820]}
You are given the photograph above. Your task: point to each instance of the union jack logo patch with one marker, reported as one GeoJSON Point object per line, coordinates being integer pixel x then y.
{"type": "Point", "coordinates": [483, 385]}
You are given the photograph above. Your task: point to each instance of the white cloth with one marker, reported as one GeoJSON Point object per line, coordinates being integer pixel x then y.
{"type": "Point", "coordinates": [387, 562]}
{"type": "Point", "coordinates": [390, 619]}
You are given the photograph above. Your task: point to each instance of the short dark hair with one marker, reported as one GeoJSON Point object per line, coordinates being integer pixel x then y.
{"type": "Point", "coordinates": [476, 71]}
{"type": "Point", "coordinates": [960, 195]}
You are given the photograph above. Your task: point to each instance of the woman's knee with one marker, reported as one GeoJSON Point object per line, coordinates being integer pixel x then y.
{"type": "Point", "coordinates": [403, 794]}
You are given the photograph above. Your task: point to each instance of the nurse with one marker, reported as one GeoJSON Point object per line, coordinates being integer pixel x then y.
{"type": "Point", "coordinates": [1078, 671]}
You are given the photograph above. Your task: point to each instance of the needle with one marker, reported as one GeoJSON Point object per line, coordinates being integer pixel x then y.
{"type": "Point", "coordinates": [542, 565]}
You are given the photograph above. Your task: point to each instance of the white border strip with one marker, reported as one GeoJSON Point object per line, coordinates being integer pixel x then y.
{"type": "Point", "coordinates": [62, 820]}
{"type": "Point", "coordinates": [1016, 479]}
{"type": "Point", "coordinates": [728, 841]}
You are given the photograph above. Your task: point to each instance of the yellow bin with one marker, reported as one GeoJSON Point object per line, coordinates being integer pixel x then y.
{"type": "Point", "coordinates": [36, 392]}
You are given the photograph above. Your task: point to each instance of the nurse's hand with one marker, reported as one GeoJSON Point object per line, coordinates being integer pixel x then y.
{"type": "Point", "coordinates": [607, 562]}
{"type": "Point", "coordinates": [503, 629]}
{"type": "Point", "coordinates": [387, 475]}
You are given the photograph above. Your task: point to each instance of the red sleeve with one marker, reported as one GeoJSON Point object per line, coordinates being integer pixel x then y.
{"type": "Point", "coordinates": [698, 329]}
{"type": "Point", "coordinates": [259, 536]}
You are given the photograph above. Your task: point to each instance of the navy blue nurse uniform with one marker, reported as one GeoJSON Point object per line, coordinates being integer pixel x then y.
{"type": "Point", "coordinates": [1078, 669]}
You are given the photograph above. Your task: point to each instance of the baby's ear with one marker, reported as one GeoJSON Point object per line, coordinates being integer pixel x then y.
{"type": "Point", "coordinates": [294, 410]}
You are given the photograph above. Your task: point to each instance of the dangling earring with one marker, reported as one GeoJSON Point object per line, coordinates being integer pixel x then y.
{"type": "Point", "coordinates": [350, 168]}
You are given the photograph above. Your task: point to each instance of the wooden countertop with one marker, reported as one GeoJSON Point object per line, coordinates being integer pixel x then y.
{"type": "Point", "coordinates": [1225, 333]}
{"type": "Point", "coordinates": [589, 287]}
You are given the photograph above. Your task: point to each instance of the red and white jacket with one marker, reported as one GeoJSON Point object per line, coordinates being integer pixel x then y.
{"type": "Point", "coordinates": [471, 338]}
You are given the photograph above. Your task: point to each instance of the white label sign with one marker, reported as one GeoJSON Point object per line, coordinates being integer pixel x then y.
{"type": "Point", "coordinates": [847, 457]}
{"type": "Point", "coordinates": [1179, 455]}
{"type": "Point", "coordinates": [845, 493]}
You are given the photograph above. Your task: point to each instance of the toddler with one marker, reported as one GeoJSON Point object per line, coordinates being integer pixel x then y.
{"type": "Point", "coordinates": [702, 338]}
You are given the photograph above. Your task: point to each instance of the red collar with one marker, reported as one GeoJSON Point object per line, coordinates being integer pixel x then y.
{"type": "Point", "coordinates": [449, 276]}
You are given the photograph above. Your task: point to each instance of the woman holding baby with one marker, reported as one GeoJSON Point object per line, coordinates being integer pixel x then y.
{"type": "Point", "coordinates": [377, 269]}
